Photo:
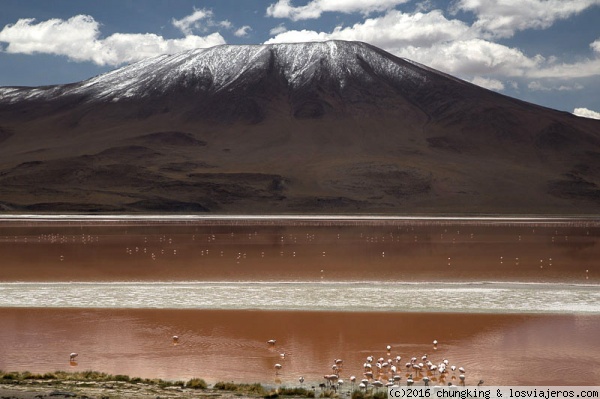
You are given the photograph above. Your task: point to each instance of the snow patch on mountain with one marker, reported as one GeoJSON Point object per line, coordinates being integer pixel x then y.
{"type": "Point", "coordinates": [227, 66]}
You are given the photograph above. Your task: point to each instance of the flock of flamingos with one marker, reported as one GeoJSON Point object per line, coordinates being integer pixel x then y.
{"type": "Point", "coordinates": [378, 373]}
{"type": "Point", "coordinates": [382, 372]}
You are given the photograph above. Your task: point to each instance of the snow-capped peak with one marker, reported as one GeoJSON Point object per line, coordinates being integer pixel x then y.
{"type": "Point", "coordinates": [218, 68]}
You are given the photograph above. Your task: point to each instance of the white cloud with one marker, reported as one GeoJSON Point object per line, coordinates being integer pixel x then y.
{"type": "Point", "coordinates": [226, 24]}
{"type": "Point", "coordinates": [474, 57]}
{"type": "Point", "coordinates": [582, 69]}
{"type": "Point", "coordinates": [586, 113]}
{"type": "Point", "coordinates": [537, 86]}
{"type": "Point", "coordinates": [488, 83]}
{"type": "Point", "coordinates": [392, 31]}
{"type": "Point", "coordinates": [51, 36]}
{"type": "Point", "coordinates": [278, 30]}
{"type": "Point", "coordinates": [243, 31]}
{"type": "Point", "coordinates": [431, 39]}
{"type": "Point", "coordinates": [502, 18]}
{"type": "Point", "coordinates": [314, 9]}
{"type": "Point", "coordinates": [78, 38]}
{"type": "Point", "coordinates": [192, 22]}
{"type": "Point", "coordinates": [449, 45]}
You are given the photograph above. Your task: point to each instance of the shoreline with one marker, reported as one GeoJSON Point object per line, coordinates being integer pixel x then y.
{"type": "Point", "coordinates": [342, 220]}
{"type": "Point", "coordinates": [93, 384]}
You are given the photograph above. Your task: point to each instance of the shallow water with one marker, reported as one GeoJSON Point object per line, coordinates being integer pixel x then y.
{"type": "Point", "coordinates": [301, 250]}
{"type": "Point", "coordinates": [230, 345]}
{"type": "Point", "coordinates": [513, 301]}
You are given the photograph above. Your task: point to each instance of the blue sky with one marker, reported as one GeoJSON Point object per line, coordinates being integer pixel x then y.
{"type": "Point", "coordinates": [543, 51]}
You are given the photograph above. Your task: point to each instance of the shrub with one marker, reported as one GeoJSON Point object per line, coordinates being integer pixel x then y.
{"type": "Point", "coordinates": [196, 383]}
{"type": "Point", "coordinates": [245, 388]}
{"type": "Point", "coordinates": [307, 393]}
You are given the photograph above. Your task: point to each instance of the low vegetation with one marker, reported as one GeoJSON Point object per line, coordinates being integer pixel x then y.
{"type": "Point", "coordinates": [16, 377]}
{"type": "Point", "coordinates": [370, 394]}
{"type": "Point", "coordinates": [94, 379]}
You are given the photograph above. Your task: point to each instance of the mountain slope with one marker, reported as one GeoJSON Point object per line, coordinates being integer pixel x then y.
{"type": "Point", "coordinates": [310, 127]}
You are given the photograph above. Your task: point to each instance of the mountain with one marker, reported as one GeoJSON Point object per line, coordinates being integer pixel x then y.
{"type": "Point", "coordinates": [331, 127]}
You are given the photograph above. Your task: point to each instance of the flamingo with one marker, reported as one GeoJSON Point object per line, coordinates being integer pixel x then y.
{"type": "Point", "coordinates": [389, 348]}
{"type": "Point", "coordinates": [277, 368]}
{"type": "Point", "coordinates": [72, 356]}
{"type": "Point", "coordinates": [301, 380]}
{"type": "Point", "coordinates": [175, 339]}
{"type": "Point", "coordinates": [271, 342]}
{"type": "Point", "coordinates": [480, 383]}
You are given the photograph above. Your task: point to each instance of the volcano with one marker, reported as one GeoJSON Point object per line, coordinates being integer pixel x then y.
{"type": "Point", "coordinates": [329, 128]}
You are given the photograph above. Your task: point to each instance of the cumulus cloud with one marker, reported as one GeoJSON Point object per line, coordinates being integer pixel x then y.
{"type": "Point", "coordinates": [78, 38]}
{"type": "Point", "coordinates": [586, 113]}
{"type": "Point", "coordinates": [278, 30]}
{"type": "Point", "coordinates": [431, 39]}
{"type": "Point", "coordinates": [453, 46]}
{"type": "Point", "coordinates": [314, 9]}
{"type": "Point", "coordinates": [537, 86]}
{"type": "Point", "coordinates": [243, 31]}
{"type": "Point", "coordinates": [391, 31]}
{"type": "Point", "coordinates": [582, 69]}
{"type": "Point", "coordinates": [51, 36]}
{"type": "Point", "coordinates": [192, 22]}
{"type": "Point", "coordinates": [226, 24]}
{"type": "Point", "coordinates": [488, 83]}
{"type": "Point", "coordinates": [474, 57]}
{"type": "Point", "coordinates": [503, 18]}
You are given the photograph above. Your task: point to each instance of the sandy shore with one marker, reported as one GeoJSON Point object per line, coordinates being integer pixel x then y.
{"type": "Point", "coordinates": [502, 349]}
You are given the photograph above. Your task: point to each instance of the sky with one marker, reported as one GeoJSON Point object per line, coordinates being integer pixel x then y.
{"type": "Point", "coordinates": [542, 51]}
